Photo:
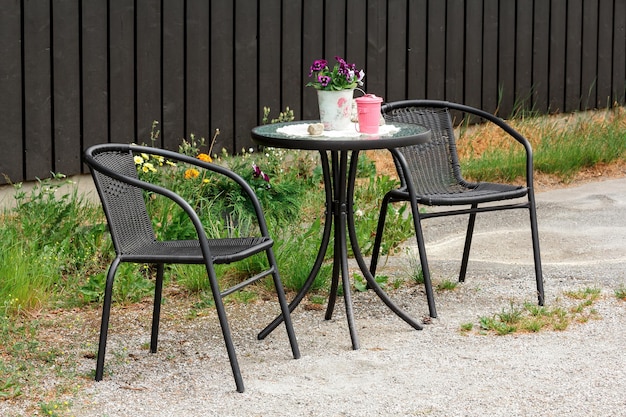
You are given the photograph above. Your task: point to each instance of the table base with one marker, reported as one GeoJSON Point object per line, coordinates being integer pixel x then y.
{"type": "Point", "coordinates": [339, 189]}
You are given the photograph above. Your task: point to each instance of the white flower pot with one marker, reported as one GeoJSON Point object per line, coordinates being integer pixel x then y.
{"type": "Point", "coordinates": [335, 108]}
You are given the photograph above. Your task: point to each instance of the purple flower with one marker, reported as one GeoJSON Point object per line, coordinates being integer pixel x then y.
{"type": "Point", "coordinates": [256, 171]}
{"type": "Point", "coordinates": [318, 65]}
{"type": "Point", "coordinates": [324, 80]}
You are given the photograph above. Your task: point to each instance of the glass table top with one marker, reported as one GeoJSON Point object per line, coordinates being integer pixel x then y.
{"type": "Point", "coordinates": [294, 135]}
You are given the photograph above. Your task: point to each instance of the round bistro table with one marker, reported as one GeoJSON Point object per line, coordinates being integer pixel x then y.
{"type": "Point", "coordinates": [337, 150]}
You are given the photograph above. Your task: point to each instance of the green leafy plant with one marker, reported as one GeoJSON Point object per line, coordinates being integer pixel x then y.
{"type": "Point", "coordinates": [361, 285]}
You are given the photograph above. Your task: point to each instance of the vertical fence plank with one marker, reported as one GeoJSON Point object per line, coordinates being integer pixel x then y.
{"type": "Point", "coordinates": [541, 55]}
{"type": "Point", "coordinates": [37, 91]}
{"type": "Point", "coordinates": [455, 45]}
{"type": "Point", "coordinates": [490, 56]}
{"type": "Point", "coordinates": [356, 34]}
{"type": "Point", "coordinates": [11, 163]}
{"type": "Point", "coordinates": [300, 45]}
{"type": "Point", "coordinates": [197, 92]}
{"type": "Point", "coordinates": [573, 53]}
{"type": "Point", "coordinates": [66, 86]}
{"type": "Point", "coordinates": [122, 71]}
{"type": "Point", "coordinates": [269, 57]}
{"type": "Point", "coordinates": [335, 29]}
{"type": "Point", "coordinates": [376, 67]}
{"type": "Point", "coordinates": [148, 72]}
{"type": "Point", "coordinates": [605, 49]}
{"type": "Point", "coordinates": [396, 51]}
{"type": "Point", "coordinates": [173, 74]}
{"type": "Point", "coordinates": [293, 70]}
{"type": "Point", "coordinates": [246, 97]}
{"type": "Point", "coordinates": [589, 63]}
{"type": "Point", "coordinates": [619, 53]}
{"type": "Point", "coordinates": [222, 86]}
{"type": "Point", "coordinates": [506, 58]}
{"type": "Point", "coordinates": [417, 40]}
{"type": "Point", "coordinates": [94, 66]}
{"type": "Point", "coordinates": [523, 55]}
{"type": "Point", "coordinates": [556, 90]}
{"type": "Point", "coordinates": [473, 53]}
{"type": "Point", "coordinates": [312, 49]}
{"type": "Point", "coordinates": [436, 58]}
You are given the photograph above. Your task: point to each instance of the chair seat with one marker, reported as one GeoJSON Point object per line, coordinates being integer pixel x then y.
{"type": "Point", "coordinates": [471, 193]}
{"type": "Point", "coordinates": [188, 251]}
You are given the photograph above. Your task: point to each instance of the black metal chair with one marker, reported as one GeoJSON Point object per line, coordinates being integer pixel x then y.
{"type": "Point", "coordinates": [432, 176]}
{"type": "Point", "coordinates": [121, 193]}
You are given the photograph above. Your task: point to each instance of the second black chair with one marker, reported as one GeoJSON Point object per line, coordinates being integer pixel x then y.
{"type": "Point", "coordinates": [430, 174]}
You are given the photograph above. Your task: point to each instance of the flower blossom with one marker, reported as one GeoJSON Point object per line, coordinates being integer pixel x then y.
{"type": "Point", "coordinates": [324, 80]}
{"type": "Point", "coordinates": [204, 157]}
{"type": "Point", "coordinates": [257, 173]}
{"type": "Point", "coordinates": [318, 65]}
{"type": "Point", "coordinates": [148, 167]}
{"type": "Point", "coordinates": [191, 173]}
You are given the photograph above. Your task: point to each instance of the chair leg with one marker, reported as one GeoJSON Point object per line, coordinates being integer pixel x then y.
{"type": "Point", "coordinates": [421, 247]}
{"type": "Point", "coordinates": [379, 234]}
{"type": "Point", "coordinates": [156, 312]}
{"type": "Point", "coordinates": [536, 252]}
{"type": "Point", "coordinates": [468, 244]}
{"type": "Point", "coordinates": [284, 306]}
{"type": "Point", "coordinates": [106, 313]}
{"type": "Point", "coordinates": [221, 314]}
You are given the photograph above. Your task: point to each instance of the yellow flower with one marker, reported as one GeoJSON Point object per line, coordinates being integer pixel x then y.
{"type": "Point", "coordinates": [191, 173]}
{"type": "Point", "coordinates": [170, 163]}
{"type": "Point", "coordinates": [138, 159]}
{"type": "Point", "coordinates": [206, 181]}
{"type": "Point", "coordinates": [148, 167]}
{"type": "Point", "coordinates": [145, 156]}
{"type": "Point", "coordinates": [204, 157]}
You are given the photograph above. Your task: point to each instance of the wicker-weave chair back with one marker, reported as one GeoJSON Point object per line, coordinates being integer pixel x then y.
{"type": "Point", "coordinates": [433, 166]}
{"type": "Point", "coordinates": [123, 204]}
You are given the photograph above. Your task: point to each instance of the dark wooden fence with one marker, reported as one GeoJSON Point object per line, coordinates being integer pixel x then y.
{"type": "Point", "coordinates": [79, 72]}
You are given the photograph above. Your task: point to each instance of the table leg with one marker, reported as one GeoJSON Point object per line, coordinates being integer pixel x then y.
{"type": "Point", "coordinates": [340, 254]}
{"type": "Point", "coordinates": [357, 251]}
{"type": "Point", "coordinates": [321, 254]}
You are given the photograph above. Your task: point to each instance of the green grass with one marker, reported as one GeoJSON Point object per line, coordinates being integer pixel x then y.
{"type": "Point", "coordinates": [620, 292]}
{"type": "Point", "coordinates": [531, 318]}
{"type": "Point", "coordinates": [562, 145]}
{"type": "Point", "coordinates": [447, 285]}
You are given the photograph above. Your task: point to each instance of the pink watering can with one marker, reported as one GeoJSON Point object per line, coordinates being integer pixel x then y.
{"type": "Point", "coordinates": [368, 111]}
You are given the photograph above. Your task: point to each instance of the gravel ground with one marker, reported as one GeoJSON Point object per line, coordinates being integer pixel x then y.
{"type": "Point", "coordinates": [438, 371]}
{"type": "Point", "coordinates": [398, 371]}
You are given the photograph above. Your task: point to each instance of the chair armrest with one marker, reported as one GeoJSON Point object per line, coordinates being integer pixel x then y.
{"type": "Point", "coordinates": [480, 113]}
{"type": "Point", "coordinates": [158, 189]}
